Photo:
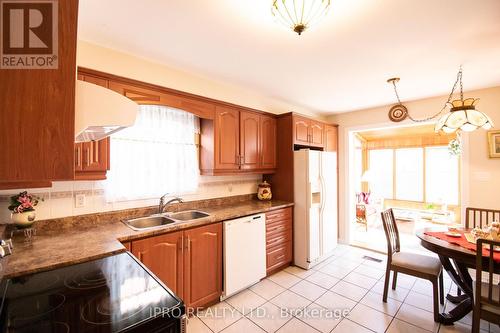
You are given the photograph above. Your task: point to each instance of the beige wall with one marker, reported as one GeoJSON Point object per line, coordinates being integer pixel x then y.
{"type": "Point", "coordinates": [480, 174]}
{"type": "Point", "coordinates": [118, 63]}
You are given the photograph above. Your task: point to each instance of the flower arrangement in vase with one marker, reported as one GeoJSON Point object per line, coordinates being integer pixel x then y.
{"type": "Point", "coordinates": [22, 207]}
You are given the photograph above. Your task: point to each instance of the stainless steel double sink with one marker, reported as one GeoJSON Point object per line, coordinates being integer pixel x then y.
{"type": "Point", "coordinates": [159, 220]}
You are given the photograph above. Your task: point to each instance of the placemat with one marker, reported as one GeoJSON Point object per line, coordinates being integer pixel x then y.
{"type": "Point", "coordinates": [461, 241]}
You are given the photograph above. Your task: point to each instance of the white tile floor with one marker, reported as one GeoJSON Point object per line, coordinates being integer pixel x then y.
{"type": "Point", "coordinates": [295, 300]}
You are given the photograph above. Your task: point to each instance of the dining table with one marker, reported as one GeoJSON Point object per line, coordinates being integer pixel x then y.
{"type": "Point", "coordinates": [456, 260]}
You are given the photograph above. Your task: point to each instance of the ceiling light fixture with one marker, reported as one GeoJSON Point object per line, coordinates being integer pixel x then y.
{"type": "Point", "coordinates": [462, 115]}
{"type": "Point", "coordinates": [299, 15]}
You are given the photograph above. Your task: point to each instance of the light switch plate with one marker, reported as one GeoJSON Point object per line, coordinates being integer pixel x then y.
{"type": "Point", "coordinates": [80, 200]}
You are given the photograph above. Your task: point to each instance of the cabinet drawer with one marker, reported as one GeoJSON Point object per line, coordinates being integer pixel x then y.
{"type": "Point", "coordinates": [279, 255]}
{"type": "Point", "coordinates": [276, 226]}
{"type": "Point", "coordinates": [278, 238]}
{"type": "Point", "coordinates": [280, 214]}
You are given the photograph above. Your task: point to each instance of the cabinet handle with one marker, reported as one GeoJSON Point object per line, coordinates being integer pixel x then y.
{"type": "Point", "coordinates": [242, 159]}
{"type": "Point", "coordinates": [188, 244]}
{"type": "Point", "coordinates": [280, 257]}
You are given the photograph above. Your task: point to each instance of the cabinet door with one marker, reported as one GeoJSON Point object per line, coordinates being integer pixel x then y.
{"type": "Point", "coordinates": [163, 256]}
{"type": "Point", "coordinates": [268, 142]}
{"type": "Point", "coordinates": [301, 130]}
{"type": "Point", "coordinates": [227, 136]}
{"type": "Point", "coordinates": [249, 140]}
{"type": "Point", "coordinates": [331, 138]}
{"type": "Point", "coordinates": [317, 133]}
{"type": "Point", "coordinates": [203, 265]}
{"type": "Point", "coordinates": [95, 155]}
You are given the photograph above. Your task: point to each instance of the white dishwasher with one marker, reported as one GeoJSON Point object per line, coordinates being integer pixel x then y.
{"type": "Point", "coordinates": [244, 253]}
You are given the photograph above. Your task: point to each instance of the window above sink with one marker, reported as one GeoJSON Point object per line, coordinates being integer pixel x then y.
{"type": "Point", "coordinates": [156, 155]}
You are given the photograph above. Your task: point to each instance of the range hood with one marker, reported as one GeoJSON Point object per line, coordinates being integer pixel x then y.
{"type": "Point", "coordinates": [100, 112]}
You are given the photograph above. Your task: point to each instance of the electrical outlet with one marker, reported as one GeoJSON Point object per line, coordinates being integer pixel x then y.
{"type": "Point", "coordinates": [230, 187]}
{"type": "Point", "coordinates": [80, 200]}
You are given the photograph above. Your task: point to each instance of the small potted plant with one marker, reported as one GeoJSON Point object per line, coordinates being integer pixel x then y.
{"type": "Point", "coordinates": [22, 207]}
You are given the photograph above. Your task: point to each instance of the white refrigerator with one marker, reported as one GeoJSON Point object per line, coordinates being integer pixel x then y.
{"type": "Point", "coordinates": [315, 212]}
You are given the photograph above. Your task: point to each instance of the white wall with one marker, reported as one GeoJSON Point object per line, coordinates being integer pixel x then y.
{"type": "Point", "coordinates": [480, 174]}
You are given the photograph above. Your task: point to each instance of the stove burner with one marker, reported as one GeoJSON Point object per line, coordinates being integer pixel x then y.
{"type": "Point", "coordinates": [100, 311]}
{"type": "Point", "coordinates": [36, 307]}
{"type": "Point", "coordinates": [90, 280]}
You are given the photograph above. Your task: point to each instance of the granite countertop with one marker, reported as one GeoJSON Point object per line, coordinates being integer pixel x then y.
{"type": "Point", "coordinates": [61, 247]}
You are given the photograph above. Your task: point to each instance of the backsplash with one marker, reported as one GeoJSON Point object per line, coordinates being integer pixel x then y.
{"type": "Point", "coordinates": [59, 200]}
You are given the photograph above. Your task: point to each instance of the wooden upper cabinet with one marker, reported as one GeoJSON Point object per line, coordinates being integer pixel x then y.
{"type": "Point", "coordinates": [268, 142]}
{"type": "Point", "coordinates": [227, 138]}
{"type": "Point", "coordinates": [249, 140]}
{"type": "Point", "coordinates": [331, 138]}
{"type": "Point", "coordinates": [37, 113]}
{"type": "Point", "coordinates": [92, 159]}
{"type": "Point", "coordinates": [316, 133]}
{"type": "Point", "coordinates": [301, 130]}
{"type": "Point", "coordinates": [203, 265]}
{"type": "Point", "coordinates": [163, 255]}
{"type": "Point", "coordinates": [238, 140]}
{"type": "Point", "coordinates": [308, 132]}
{"type": "Point", "coordinates": [94, 79]}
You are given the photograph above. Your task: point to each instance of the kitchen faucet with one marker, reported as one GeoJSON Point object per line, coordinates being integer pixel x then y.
{"type": "Point", "coordinates": [163, 204]}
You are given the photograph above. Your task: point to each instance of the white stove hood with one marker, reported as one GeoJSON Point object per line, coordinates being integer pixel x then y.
{"type": "Point", "coordinates": [101, 112]}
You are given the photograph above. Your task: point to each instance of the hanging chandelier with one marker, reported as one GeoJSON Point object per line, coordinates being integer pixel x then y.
{"type": "Point", "coordinates": [299, 15]}
{"type": "Point", "coordinates": [461, 116]}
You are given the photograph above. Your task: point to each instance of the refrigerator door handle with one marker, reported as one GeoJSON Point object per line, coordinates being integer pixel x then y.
{"type": "Point", "coordinates": [309, 196]}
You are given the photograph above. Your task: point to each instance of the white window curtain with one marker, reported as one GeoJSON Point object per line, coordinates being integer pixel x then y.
{"type": "Point", "coordinates": [157, 155]}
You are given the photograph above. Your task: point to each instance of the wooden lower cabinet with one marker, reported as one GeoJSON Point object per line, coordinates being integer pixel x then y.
{"type": "Point", "coordinates": [278, 239]}
{"type": "Point", "coordinates": [127, 245]}
{"type": "Point", "coordinates": [163, 255]}
{"type": "Point", "coordinates": [188, 262]}
{"type": "Point", "coordinates": [203, 265]}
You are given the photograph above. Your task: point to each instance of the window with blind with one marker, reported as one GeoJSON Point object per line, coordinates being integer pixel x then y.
{"type": "Point", "coordinates": [428, 174]}
{"type": "Point", "coordinates": [381, 170]}
{"type": "Point", "coordinates": [157, 155]}
{"type": "Point", "coordinates": [409, 174]}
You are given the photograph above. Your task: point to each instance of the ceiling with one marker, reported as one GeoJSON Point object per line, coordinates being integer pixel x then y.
{"type": "Point", "coordinates": [340, 65]}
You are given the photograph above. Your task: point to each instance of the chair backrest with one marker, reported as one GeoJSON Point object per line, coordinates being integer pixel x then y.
{"type": "Point", "coordinates": [391, 232]}
{"type": "Point", "coordinates": [480, 217]}
{"type": "Point", "coordinates": [486, 263]}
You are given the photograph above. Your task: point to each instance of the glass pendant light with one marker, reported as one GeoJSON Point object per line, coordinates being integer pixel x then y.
{"type": "Point", "coordinates": [462, 115]}
{"type": "Point", "coordinates": [299, 15]}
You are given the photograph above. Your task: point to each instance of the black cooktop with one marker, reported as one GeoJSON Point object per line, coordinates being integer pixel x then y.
{"type": "Point", "coordinates": [113, 294]}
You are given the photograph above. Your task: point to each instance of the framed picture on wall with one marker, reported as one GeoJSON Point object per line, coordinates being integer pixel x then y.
{"type": "Point", "coordinates": [494, 144]}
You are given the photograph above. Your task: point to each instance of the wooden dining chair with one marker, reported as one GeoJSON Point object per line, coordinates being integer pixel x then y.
{"type": "Point", "coordinates": [480, 217]}
{"type": "Point", "coordinates": [417, 265]}
{"type": "Point", "coordinates": [486, 294]}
